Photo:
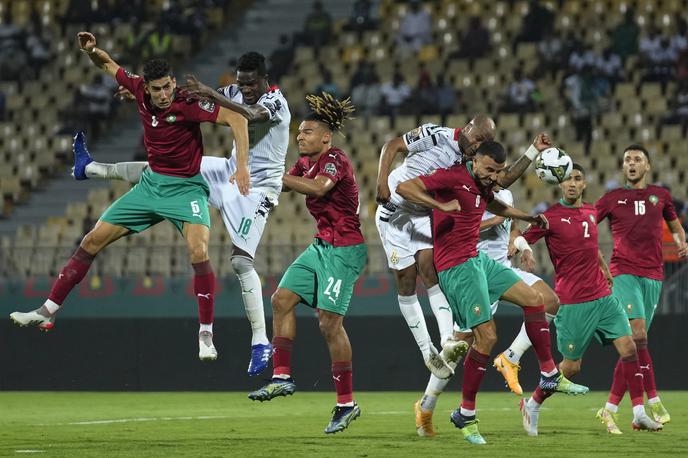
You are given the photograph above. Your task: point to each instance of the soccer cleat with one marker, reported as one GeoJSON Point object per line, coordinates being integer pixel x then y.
{"type": "Point", "coordinates": [33, 318]}
{"type": "Point", "coordinates": [341, 417]}
{"type": "Point", "coordinates": [206, 349]}
{"type": "Point", "coordinates": [530, 417]}
{"type": "Point", "coordinates": [81, 156]}
{"type": "Point", "coordinates": [609, 419]}
{"type": "Point", "coordinates": [438, 366]}
{"type": "Point", "coordinates": [276, 387]}
{"type": "Point", "coordinates": [659, 413]}
{"type": "Point", "coordinates": [469, 428]}
{"type": "Point", "coordinates": [453, 351]}
{"type": "Point", "coordinates": [423, 421]}
{"type": "Point", "coordinates": [260, 357]}
{"type": "Point", "coordinates": [645, 423]}
{"type": "Point", "coordinates": [509, 371]}
{"type": "Point", "coordinates": [559, 384]}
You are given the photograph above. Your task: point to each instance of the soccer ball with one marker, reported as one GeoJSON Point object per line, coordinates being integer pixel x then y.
{"type": "Point", "coordinates": [553, 166]}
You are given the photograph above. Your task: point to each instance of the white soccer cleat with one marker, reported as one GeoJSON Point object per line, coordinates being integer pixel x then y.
{"type": "Point", "coordinates": [206, 349]}
{"type": "Point", "coordinates": [33, 318]}
{"type": "Point", "coordinates": [530, 417]}
{"type": "Point", "coordinates": [454, 350]}
{"type": "Point", "coordinates": [438, 366]}
{"type": "Point", "coordinates": [645, 423]}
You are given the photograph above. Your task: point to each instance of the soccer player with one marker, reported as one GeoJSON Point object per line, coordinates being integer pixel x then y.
{"type": "Point", "coordinates": [171, 188]}
{"type": "Point", "coordinates": [494, 241]}
{"type": "Point", "coordinates": [635, 213]}
{"type": "Point", "coordinates": [244, 217]}
{"type": "Point", "coordinates": [406, 231]}
{"type": "Point", "coordinates": [588, 307]}
{"type": "Point", "coordinates": [471, 280]}
{"type": "Point", "coordinates": [324, 275]}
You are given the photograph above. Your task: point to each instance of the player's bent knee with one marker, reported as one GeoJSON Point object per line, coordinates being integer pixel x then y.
{"type": "Point", "coordinates": [406, 281]}
{"type": "Point", "coordinates": [242, 264]}
{"type": "Point", "coordinates": [570, 367]}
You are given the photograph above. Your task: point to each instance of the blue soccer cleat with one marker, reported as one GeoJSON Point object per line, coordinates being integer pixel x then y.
{"type": "Point", "coordinates": [341, 417]}
{"type": "Point", "coordinates": [81, 156]}
{"type": "Point", "coordinates": [468, 427]}
{"type": "Point", "coordinates": [276, 387]}
{"type": "Point", "coordinates": [260, 357]}
{"type": "Point", "coordinates": [557, 383]}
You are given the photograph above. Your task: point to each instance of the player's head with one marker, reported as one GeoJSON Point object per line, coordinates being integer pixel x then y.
{"type": "Point", "coordinates": [327, 116]}
{"type": "Point", "coordinates": [252, 77]}
{"type": "Point", "coordinates": [159, 82]}
{"type": "Point", "coordinates": [480, 129]}
{"type": "Point", "coordinates": [489, 160]}
{"type": "Point", "coordinates": [572, 188]}
{"type": "Point", "coordinates": [636, 163]}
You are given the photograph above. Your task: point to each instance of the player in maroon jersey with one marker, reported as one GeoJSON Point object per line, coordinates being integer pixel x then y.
{"type": "Point", "coordinates": [471, 280]}
{"type": "Point", "coordinates": [324, 275]}
{"type": "Point", "coordinates": [636, 213]}
{"type": "Point", "coordinates": [172, 188]}
{"type": "Point", "coordinates": [588, 309]}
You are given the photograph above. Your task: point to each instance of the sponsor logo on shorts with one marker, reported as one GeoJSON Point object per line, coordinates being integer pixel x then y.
{"type": "Point", "coordinates": [629, 307]}
{"type": "Point", "coordinates": [476, 310]}
{"type": "Point", "coordinates": [570, 347]}
{"type": "Point", "coordinates": [654, 199]}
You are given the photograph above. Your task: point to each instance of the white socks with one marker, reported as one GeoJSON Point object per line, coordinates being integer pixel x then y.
{"type": "Point", "coordinates": [654, 400]}
{"type": "Point", "coordinates": [127, 171]}
{"type": "Point", "coordinates": [205, 327]}
{"type": "Point", "coordinates": [413, 314]}
{"type": "Point", "coordinates": [638, 411]}
{"type": "Point", "coordinates": [51, 306]}
{"type": "Point", "coordinates": [435, 387]}
{"type": "Point", "coordinates": [440, 307]}
{"type": "Point", "coordinates": [252, 294]}
{"type": "Point", "coordinates": [613, 408]}
{"type": "Point", "coordinates": [521, 343]}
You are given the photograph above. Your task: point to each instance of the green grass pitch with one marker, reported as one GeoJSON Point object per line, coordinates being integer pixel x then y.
{"type": "Point", "coordinates": [228, 424]}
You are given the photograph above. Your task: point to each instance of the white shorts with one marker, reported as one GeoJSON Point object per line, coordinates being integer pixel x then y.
{"type": "Point", "coordinates": [529, 279]}
{"type": "Point", "coordinates": [403, 234]}
{"type": "Point", "coordinates": [244, 216]}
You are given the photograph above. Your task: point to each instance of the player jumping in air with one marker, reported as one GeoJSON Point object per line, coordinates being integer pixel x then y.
{"type": "Point", "coordinates": [244, 217]}
{"type": "Point", "coordinates": [494, 241]}
{"type": "Point", "coordinates": [588, 308]}
{"type": "Point", "coordinates": [324, 275]}
{"type": "Point", "coordinates": [471, 280]}
{"type": "Point", "coordinates": [636, 213]}
{"type": "Point", "coordinates": [171, 188]}
{"type": "Point", "coordinates": [406, 230]}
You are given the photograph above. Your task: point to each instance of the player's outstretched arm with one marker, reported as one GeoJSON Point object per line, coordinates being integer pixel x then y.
{"type": "Point", "coordinates": [101, 59]}
{"type": "Point", "coordinates": [491, 222]}
{"type": "Point", "coordinates": [239, 126]}
{"type": "Point", "coordinates": [314, 187]}
{"type": "Point", "coordinates": [253, 113]}
{"type": "Point", "coordinates": [605, 268]}
{"type": "Point", "coordinates": [679, 235]}
{"type": "Point", "coordinates": [515, 170]}
{"type": "Point", "coordinates": [415, 191]}
{"type": "Point", "coordinates": [387, 155]}
{"type": "Point", "coordinates": [500, 208]}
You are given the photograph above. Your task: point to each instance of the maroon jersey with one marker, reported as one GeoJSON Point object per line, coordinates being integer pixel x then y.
{"type": "Point", "coordinates": [336, 213]}
{"type": "Point", "coordinates": [572, 243]}
{"type": "Point", "coordinates": [635, 216]}
{"type": "Point", "coordinates": [456, 234]}
{"type": "Point", "coordinates": [172, 136]}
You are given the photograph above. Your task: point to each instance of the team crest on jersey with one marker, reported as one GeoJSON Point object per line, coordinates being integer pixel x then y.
{"type": "Point", "coordinates": [654, 199]}
{"type": "Point", "coordinates": [331, 169]}
{"type": "Point", "coordinates": [592, 218]}
{"type": "Point", "coordinates": [170, 119]}
{"type": "Point", "coordinates": [394, 259]}
{"type": "Point", "coordinates": [206, 105]}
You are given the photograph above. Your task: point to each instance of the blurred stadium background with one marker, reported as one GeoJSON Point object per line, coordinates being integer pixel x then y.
{"type": "Point", "coordinates": [596, 75]}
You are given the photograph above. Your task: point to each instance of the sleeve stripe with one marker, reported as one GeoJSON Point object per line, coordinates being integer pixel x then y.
{"type": "Point", "coordinates": [434, 140]}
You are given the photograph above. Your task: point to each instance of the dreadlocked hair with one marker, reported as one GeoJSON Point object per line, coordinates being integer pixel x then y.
{"type": "Point", "coordinates": [327, 109]}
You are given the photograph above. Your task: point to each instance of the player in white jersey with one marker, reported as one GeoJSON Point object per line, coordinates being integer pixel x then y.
{"type": "Point", "coordinates": [406, 231]}
{"type": "Point", "coordinates": [495, 233]}
{"type": "Point", "coordinates": [244, 216]}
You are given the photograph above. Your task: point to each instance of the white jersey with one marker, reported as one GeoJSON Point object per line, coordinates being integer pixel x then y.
{"type": "Point", "coordinates": [494, 241]}
{"type": "Point", "coordinates": [268, 141]}
{"type": "Point", "coordinates": [430, 147]}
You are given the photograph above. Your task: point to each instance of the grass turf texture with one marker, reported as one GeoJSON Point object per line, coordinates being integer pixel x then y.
{"type": "Point", "coordinates": [229, 424]}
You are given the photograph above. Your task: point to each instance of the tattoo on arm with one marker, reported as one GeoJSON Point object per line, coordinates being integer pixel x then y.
{"type": "Point", "coordinates": [514, 171]}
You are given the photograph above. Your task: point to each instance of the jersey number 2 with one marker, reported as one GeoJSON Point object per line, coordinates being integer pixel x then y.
{"type": "Point", "coordinates": [586, 231]}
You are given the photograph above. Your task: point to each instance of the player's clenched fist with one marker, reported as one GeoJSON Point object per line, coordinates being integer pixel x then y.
{"type": "Point", "coordinates": [542, 141]}
{"type": "Point", "coordinates": [87, 41]}
{"type": "Point", "coordinates": [540, 220]}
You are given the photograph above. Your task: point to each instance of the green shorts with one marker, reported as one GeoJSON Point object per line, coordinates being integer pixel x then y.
{"type": "Point", "coordinates": [638, 296]}
{"type": "Point", "coordinates": [157, 197]}
{"type": "Point", "coordinates": [473, 286]}
{"type": "Point", "coordinates": [577, 324]}
{"type": "Point", "coordinates": [324, 275]}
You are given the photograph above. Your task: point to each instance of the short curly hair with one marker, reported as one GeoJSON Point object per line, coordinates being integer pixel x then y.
{"type": "Point", "coordinates": [252, 61]}
{"type": "Point", "coordinates": [155, 69]}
